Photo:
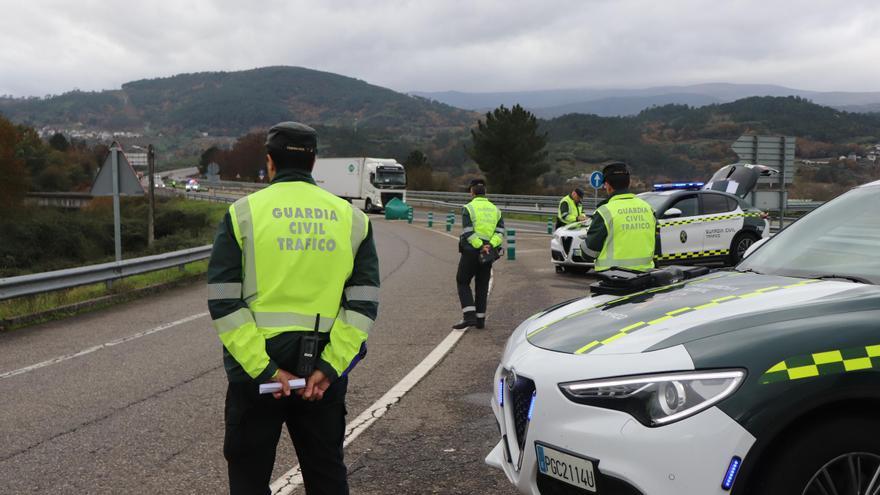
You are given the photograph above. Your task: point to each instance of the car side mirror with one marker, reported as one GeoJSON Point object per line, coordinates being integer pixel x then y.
{"type": "Point", "coordinates": [755, 246]}
{"type": "Point", "coordinates": [672, 213]}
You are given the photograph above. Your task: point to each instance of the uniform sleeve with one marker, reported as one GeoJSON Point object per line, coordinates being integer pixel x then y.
{"type": "Point", "coordinates": [592, 244]}
{"type": "Point", "coordinates": [360, 306]}
{"type": "Point", "coordinates": [230, 314]}
{"type": "Point", "coordinates": [498, 237]}
{"type": "Point", "coordinates": [468, 236]}
{"type": "Point", "coordinates": [563, 212]}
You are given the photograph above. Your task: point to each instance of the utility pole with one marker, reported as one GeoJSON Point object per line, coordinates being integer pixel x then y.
{"type": "Point", "coordinates": [151, 169]}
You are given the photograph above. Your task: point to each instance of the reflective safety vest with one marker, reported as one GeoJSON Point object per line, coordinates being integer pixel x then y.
{"type": "Point", "coordinates": [574, 210]}
{"type": "Point", "coordinates": [484, 217]}
{"type": "Point", "coordinates": [298, 245]}
{"type": "Point", "coordinates": [631, 228]}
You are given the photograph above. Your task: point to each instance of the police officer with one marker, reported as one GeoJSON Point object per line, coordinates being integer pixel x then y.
{"type": "Point", "coordinates": [622, 233]}
{"type": "Point", "coordinates": [570, 208]}
{"type": "Point", "coordinates": [293, 286]}
{"type": "Point", "coordinates": [480, 240]}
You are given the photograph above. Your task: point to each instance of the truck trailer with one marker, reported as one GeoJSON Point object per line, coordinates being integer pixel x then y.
{"type": "Point", "coordinates": [369, 183]}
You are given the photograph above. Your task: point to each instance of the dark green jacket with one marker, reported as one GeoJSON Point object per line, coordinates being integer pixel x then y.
{"type": "Point", "coordinates": [225, 267]}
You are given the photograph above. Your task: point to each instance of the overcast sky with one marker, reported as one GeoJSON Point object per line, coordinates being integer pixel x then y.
{"type": "Point", "coordinates": [470, 45]}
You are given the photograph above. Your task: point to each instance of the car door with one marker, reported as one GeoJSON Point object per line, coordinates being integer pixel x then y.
{"type": "Point", "coordinates": [680, 237]}
{"type": "Point", "coordinates": [722, 219]}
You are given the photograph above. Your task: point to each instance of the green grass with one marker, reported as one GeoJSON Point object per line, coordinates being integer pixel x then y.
{"type": "Point", "coordinates": [41, 303]}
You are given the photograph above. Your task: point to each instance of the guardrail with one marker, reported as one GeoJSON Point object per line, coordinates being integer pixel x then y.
{"type": "Point", "coordinates": [37, 283]}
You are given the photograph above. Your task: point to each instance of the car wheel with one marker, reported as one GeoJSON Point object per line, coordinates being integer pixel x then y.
{"type": "Point", "coordinates": [739, 246]}
{"type": "Point", "coordinates": [832, 456]}
{"type": "Point", "coordinates": [368, 206]}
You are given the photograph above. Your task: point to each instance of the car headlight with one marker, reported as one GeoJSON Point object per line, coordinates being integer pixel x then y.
{"type": "Point", "coordinates": [658, 399]}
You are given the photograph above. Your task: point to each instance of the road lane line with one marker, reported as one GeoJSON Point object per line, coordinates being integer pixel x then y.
{"type": "Point", "coordinates": [66, 357]}
{"type": "Point", "coordinates": [291, 480]}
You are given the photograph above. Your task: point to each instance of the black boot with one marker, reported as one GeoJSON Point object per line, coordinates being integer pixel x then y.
{"type": "Point", "coordinates": [469, 320]}
{"type": "Point", "coordinates": [481, 323]}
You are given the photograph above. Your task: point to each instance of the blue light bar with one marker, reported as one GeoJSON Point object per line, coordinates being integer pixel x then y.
{"type": "Point", "coordinates": [532, 406]}
{"type": "Point", "coordinates": [679, 186]}
{"type": "Point", "coordinates": [501, 392]}
{"type": "Point", "coordinates": [735, 464]}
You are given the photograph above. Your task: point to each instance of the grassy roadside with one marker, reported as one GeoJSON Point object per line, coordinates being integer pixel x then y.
{"type": "Point", "coordinates": [38, 308]}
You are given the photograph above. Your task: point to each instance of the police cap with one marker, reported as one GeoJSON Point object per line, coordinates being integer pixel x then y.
{"type": "Point", "coordinates": [292, 136]}
{"type": "Point", "coordinates": [615, 168]}
{"type": "Point", "coordinates": [477, 182]}
{"type": "Point", "coordinates": [579, 191]}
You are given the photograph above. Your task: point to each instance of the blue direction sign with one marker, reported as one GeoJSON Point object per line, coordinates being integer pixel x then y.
{"type": "Point", "coordinates": [597, 179]}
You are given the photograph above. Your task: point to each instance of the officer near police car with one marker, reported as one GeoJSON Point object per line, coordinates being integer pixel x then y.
{"type": "Point", "coordinates": [479, 244]}
{"type": "Point", "coordinates": [623, 230]}
{"type": "Point", "coordinates": [293, 286]}
{"type": "Point", "coordinates": [571, 208]}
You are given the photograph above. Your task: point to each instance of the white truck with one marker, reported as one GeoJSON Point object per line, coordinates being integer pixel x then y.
{"type": "Point", "coordinates": [369, 183]}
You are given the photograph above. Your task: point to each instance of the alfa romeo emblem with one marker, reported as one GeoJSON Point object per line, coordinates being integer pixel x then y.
{"type": "Point", "coordinates": [683, 236]}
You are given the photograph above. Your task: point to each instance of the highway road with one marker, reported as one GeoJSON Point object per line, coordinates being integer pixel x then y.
{"type": "Point", "coordinates": [130, 398]}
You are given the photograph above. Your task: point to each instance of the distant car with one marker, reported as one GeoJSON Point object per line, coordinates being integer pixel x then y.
{"type": "Point", "coordinates": [192, 185]}
{"type": "Point", "coordinates": [697, 222]}
{"type": "Point", "coordinates": [760, 380]}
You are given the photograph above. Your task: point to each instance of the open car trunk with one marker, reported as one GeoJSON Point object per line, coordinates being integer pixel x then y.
{"type": "Point", "coordinates": [738, 178]}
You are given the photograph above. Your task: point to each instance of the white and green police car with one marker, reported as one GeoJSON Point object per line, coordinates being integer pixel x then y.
{"type": "Point", "coordinates": [763, 379]}
{"type": "Point", "coordinates": [696, 222]}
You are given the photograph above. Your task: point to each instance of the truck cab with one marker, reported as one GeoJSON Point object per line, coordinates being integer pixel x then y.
{"type": "Point", "coordinates": [368, 183]}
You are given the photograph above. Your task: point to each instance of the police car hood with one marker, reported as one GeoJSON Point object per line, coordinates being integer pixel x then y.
{"type": "Point", "coordinates": [681, 312]}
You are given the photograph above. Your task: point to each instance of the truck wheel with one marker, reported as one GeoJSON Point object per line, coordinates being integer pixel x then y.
{"type": "Point", "coordinates": [841, 455]}
{"type": "Point", "coordinates": [739, 246]}
{"type": "Point", "coordinates": [368, 206]}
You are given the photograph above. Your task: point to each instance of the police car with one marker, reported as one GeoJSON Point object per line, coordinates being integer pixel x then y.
{"type": "Point", "coordinates": [757, 380]}
{"type": "Point", "coordinates": [697, 222]}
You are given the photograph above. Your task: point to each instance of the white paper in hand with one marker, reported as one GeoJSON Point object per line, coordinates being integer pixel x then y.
{"type": "Point", "coordinates": [268, 388]}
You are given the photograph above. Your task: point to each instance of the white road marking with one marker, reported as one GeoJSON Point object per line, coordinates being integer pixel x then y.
{"type": "Point", "coordinates": [438, 232]}
{"type": "Point", "coordinates": [66, 357]}
{"type": "Point", "coordinates": [291, 480]}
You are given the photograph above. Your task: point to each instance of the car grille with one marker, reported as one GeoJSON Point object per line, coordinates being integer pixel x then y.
{"type": "Point", "coordinates": [521, 396]}
{"type": "Point", "coordinates": [566, 244]}
{"type": "Point", "coordinates": [386, 197]}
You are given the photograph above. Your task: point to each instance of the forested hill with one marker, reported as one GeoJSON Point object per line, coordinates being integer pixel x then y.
{"type": "Point", "coordinates": [233, 103]}
{"type": "Point", "coordinates": [683, 142]}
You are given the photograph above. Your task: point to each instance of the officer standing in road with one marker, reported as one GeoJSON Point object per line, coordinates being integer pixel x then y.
{"type": "Point", "coordinates": [479, 243]}
{"type": "Point", "coordinates": [622, 233]}
{"type": "Point", "coordinates": [293, 286]}
{"type": "Point", "coordinates": [570, 208]}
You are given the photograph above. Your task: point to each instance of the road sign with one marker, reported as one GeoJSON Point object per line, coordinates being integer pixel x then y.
{"type": "Point", "coordinates": [597, 179]}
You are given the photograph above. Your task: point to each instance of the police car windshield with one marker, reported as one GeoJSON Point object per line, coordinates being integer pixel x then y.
{"type": "Point", "coordinates": [839, 240]}
{"type": "Point", "coordinates": [656, 200]}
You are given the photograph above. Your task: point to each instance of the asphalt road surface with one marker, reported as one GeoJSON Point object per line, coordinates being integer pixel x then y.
{"type": "Point", "coordinates": [130, 399]}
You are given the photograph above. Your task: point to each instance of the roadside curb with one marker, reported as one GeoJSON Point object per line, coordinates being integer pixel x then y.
{"type": "Point", "coordinates": [20, 322]}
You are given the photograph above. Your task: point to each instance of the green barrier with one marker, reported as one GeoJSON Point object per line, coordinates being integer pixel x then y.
{"type": "Point", "coordinates": [450, 220]}
{"type": "Point", "coordinates": [549, 225]}
{"type": "Point", "coordinates": [511, 244]}
{"type": "Point", "coordinates": [409, 215]}
{"type": "Point", "coordinates": [430, 219]}
{"type": "Point", "coordinates": [396, 210]}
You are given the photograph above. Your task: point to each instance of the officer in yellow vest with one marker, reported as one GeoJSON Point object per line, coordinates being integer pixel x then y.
{"type": "Point", "coordinates": [570, 208]}
{"type": "Point", "coordinates": [481, 238]}
{"type": "Point", "coordinates": [293, 286]}
{"type": "Point", "coordinates": [622, 233]}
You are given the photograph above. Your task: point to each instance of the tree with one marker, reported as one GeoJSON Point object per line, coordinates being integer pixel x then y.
{"type": "Point", "coordinates": [208, 156]}
{"type": "Point", "coordinates": [13, 174]}
{"type": "Point", "coordinates": [419, 174]}
{"type": "Point", "coordinates": [509, 149]}
{"type": "Point", "coordinates": [59, 142]}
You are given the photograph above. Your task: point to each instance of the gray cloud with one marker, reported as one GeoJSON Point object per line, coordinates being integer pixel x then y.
{"type": "Point", "coordinates": [479, 45]}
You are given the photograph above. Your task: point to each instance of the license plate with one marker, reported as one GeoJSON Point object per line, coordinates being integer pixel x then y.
{"type": "Point", "coordinates": [567, 468]}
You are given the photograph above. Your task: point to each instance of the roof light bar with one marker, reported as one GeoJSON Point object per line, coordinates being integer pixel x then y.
{"type": "Point", "coordinates": [674, 186]}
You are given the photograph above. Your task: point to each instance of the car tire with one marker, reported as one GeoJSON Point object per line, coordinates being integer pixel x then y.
{"type": "Point", "coordinates": [821, 454]}
{"type": "Point", "coordinates": [741, 243]}
{"type": "Point", "coordinates": [560, 269]}
{"type": "Point", "coordinates": [368, 206]}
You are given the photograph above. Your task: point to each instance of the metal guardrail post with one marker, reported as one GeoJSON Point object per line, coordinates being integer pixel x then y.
{"type": "Point", "coordinates": [511, 244]}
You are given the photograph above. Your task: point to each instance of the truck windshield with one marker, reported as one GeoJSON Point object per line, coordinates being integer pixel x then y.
{"type": "Point", "coordinates": [840, 240]}
{"type": "Point", "coordinates": [389, 178]}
